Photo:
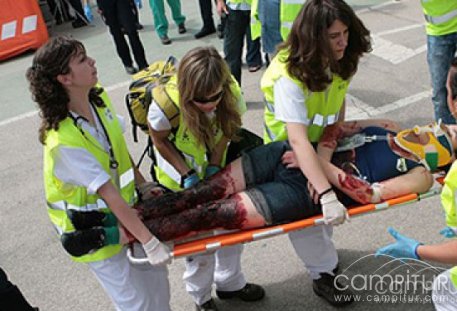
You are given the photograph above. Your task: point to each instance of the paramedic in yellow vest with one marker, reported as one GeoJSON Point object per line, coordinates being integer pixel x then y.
{"type": "Point", "coordinates": [441, 29]}
{"type": "Point", "coordinates": [87, 167]}
{"type": "Point", "coordinates": [304, 89]}
{"type": "Point", "coordinates": [265, 23]}
{"type": "Point", "coordinates": [287, 13]}
{"type": "Point", "coordinates": [209, 106]}
{"type": "Point", "coordinates": [444, 295]}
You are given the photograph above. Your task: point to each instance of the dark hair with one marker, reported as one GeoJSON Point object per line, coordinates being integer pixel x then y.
{"type": "Point", "coordinates": [310, 53]}
{"type": "Point", "coordinates": [203, 71]}
{"type": "Point", "coordinates": [453, 78]}
{"type": "Point", "coordinates": [50, 61]}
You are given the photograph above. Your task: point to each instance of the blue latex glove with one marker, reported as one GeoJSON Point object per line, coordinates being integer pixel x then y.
{"type": "Point", "coordinates": [88, 13]}
{"type": "Point", "coordinates": [448, 232]}
{"type": "Point", "coordinates": [404, 247]}
{"type": "Point", "coordinates": [191, 180]}
{"type": "Point", "coordinates": [211, 170]}
{"type": "Point", "coordinates": [139, 3]}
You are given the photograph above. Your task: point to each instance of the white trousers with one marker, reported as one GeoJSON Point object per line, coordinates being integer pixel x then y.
{"type": "Point", "coordinates": [315, 248]}
{"type": "Point", "coordinates": [132, 287]}
{"type": "Point", "coordinates": [444, 293]}
{"type": "Point", "coordinates": [222, 268]}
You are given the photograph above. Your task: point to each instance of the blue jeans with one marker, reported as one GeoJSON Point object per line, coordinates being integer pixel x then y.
{"type": "Point", "coordinates": [236, 28]}
{"type": "Point", "coordinates": [440, 52]}
{"type": "Point", "coordinates": [280, 191]}
{"type": "Point", "coordinates": [269, 18]}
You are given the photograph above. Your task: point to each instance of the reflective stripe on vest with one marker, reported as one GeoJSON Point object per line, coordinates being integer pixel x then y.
{"type": "Point", "coordinates": [322, 107]}
{"type": "Point", "coordinates": [448, 196]}
{"type": "Point", "coordinates": [268, 133]}
{"type": "Point", "coordinates": [288, 11]}
{"type": "Point", "coordinates": [64, 206]}
{"type": "Point", "coordinates": [61, 196]}
{"type": "Point", "coordinates": [256, 26]}
{"type": "Point", "coordinates": [441, 16]}
{"type": "Point", "coordinates": [435, 20]}
{"type": "Point", "coordinates": [321, 120]}
{"type": "Point", "coordinates": [317, 119]}
{"type": "Point", "coordinates": [244, 5]}
{"type": "Point", "coordinates": [453, 277]}
{"type": "Point", "coordinates": [194, 154]}
{"type": "Point", "coordinates": [269, 105]}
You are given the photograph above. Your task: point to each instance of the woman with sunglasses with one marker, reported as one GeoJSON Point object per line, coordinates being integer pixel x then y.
{"type": "Point", "coordinates": [210, 105]}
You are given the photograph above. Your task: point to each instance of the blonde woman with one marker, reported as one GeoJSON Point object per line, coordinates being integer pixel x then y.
{"type": "Point", "coordinates": [209, 106]}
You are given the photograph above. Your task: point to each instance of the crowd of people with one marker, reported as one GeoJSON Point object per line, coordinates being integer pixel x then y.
{"type": "Point", "coordinates": [302, 170]}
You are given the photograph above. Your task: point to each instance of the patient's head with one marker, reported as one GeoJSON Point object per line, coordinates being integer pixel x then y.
{"type": "Point", "coordinates": [433, 144]}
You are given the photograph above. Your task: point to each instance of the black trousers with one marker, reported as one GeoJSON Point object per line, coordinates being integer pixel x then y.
{"type": "Point", "coordinates": [206, 12]}
{"type": "Point", "coordinates": [11, 297]}
{"type": "Point", "coordinates": [76, 4]}
{"type": "Point", "coordinates": [118, 15]}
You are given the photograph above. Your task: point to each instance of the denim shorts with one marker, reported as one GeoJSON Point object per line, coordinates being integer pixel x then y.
{"type": "Point", "coordinates": [279, 194]}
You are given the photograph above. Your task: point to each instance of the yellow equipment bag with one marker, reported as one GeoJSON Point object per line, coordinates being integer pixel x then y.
{"type": "Point", "coordinates": [140, 94]}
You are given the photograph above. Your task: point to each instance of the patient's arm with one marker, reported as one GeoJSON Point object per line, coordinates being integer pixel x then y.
{"type": "Point", "coordinates": [416, 180]}
{"type": "Point", "coordinates": [333, 133]}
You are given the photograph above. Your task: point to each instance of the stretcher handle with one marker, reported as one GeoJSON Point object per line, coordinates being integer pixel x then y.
{"type": "Point", "coordinates": [138, 260]}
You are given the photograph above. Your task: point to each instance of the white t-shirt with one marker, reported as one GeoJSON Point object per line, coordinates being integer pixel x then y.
{"type": "Point", "coordinates": [78, 166]}
{"type": "Point", "coordinates": [158, 121]}
{"type": "Point", "coordinates": [289, 102]}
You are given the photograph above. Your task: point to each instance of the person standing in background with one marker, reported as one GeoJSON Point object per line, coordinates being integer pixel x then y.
{"type": "Point", "coordinates": [441, 29]}
{"type": "Point", "coordinates": [237, 28]}
{"type": "Point", "coordinates": [119, 17]}
{"type": "Point", "coordinates": [160, 19]}
{"type": "Point", "coordinates": [206, 11]}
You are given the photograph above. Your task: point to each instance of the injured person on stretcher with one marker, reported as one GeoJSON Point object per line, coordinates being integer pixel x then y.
{"type": "Point", "coordinates": [371, 161]}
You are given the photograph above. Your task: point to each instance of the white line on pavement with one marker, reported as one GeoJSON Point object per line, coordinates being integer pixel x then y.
{"type": "Point", "coordinates": [35, 112]}
{"type": "Point", "coordinates": [359, 109]}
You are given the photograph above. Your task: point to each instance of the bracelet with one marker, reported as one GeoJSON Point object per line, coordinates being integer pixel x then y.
{"type": "Point", "coordinates": [324, 193]}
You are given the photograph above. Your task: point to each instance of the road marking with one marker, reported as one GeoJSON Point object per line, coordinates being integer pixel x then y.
{"type": "Point", "coordinates": [18, 118]}
{"type": "Point", "coordinates": [400, 29]}
{"type": "Point", "coordinates": [358, 109]}
{"type": "Point", "coordinates": [375, 7]}
{"type": "Point", "coordinates": [392, 52]}
{"type": "Point", "coordinates": [35, 112]}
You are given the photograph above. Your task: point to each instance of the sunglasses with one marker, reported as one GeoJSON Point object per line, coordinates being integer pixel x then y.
{"type": "Point", "coordinates": [214, 98]}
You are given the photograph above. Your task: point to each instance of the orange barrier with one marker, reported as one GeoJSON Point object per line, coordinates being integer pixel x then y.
{"type": "Point", "coordinates": [21, 27]}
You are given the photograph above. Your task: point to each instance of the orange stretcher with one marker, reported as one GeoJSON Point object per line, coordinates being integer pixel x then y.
{"type": "Point", "coordinates": [213, 243]}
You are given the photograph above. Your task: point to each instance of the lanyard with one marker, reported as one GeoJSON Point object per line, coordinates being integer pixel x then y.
{"type": "Point", "coordinates": [113, 164]}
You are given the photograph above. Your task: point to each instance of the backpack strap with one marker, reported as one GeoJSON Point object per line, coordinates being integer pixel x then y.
{"type": "Point", "coordinates": [167, 105]}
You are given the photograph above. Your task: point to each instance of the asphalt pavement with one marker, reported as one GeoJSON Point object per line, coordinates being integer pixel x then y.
{"type": "Point", "coordinates": [393, 82]}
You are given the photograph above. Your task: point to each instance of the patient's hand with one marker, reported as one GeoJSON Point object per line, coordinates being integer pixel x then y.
{"type": "Point", "coordinates": [290, 160]}
{"type": "Point", "coordinates": [149, 189]}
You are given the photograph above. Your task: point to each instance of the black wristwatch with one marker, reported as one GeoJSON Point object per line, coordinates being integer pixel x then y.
{"type": "Point", "coordinates": [183, 177]}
